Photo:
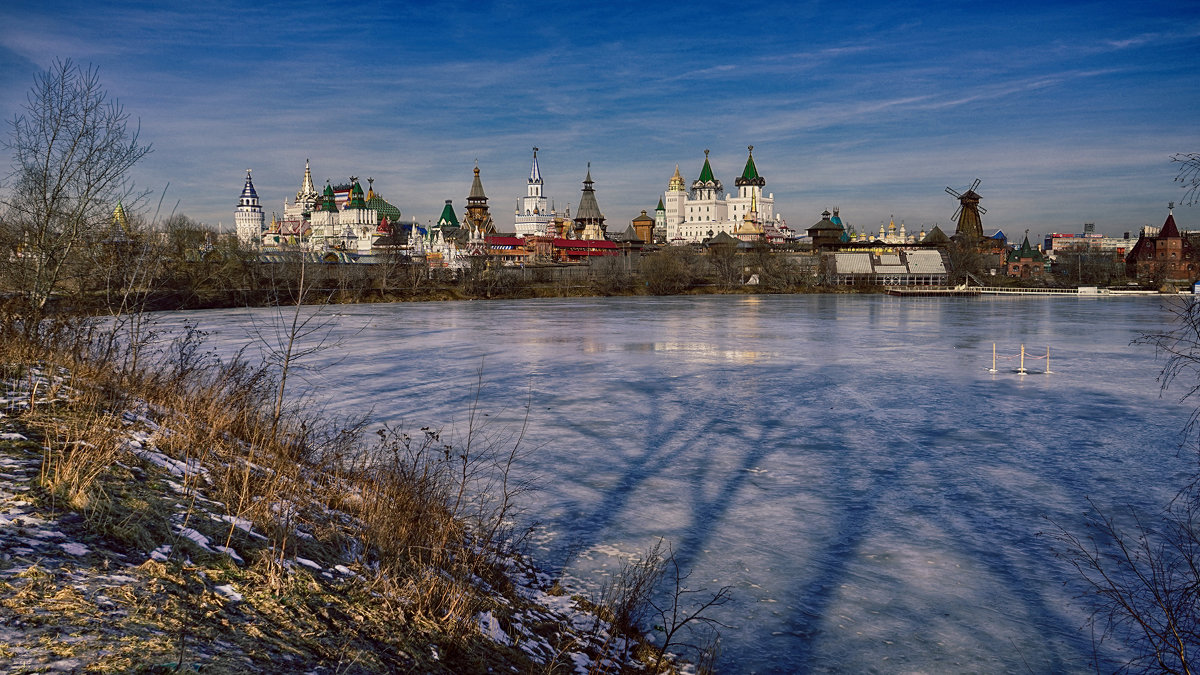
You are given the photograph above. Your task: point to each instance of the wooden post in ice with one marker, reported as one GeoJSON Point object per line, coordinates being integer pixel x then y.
{"type": "Point", "coordinates": [993, 368]}
{"type": "Point", "coordinates": [1048, 371]}
{"type": "Point", "coordinates": [1022, 368]}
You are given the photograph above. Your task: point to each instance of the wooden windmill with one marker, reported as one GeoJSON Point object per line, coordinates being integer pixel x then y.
{"type": "Point", "coordinates": [967, 216]}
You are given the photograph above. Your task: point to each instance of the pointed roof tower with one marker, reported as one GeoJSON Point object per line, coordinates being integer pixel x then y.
{"type": "Point", "coordinates": [307, 193]}
{"type": "Point", "coordinates": [476, 195]}
{"type": "Point", "coordinates": [448, 219]}
{"type": "Point", "coordinates": [478, 215]}
{"type": "Point", "coordinates": [707, 181]}
{"type": "Point", "coordinates": [249, 194]}
{"type": "Point", "coordinates": [329, 200]}
{"type": "Point", "coordinates": [357, 201]}
{"type": "Point", "coordinates": [1026, 251]}
{"type": "Point", "coordinates": [1169, 228]}
{"type": "Point", "coordinates": [589, 210]}
{"type": "Point", "coordinates": [676, 184]}
{"type": "Point", "coordinates": [750, 173]}
{"type": "Point", "coordinates": [535, 174]}
{"type": "Point", "coordinates": [121, 221]}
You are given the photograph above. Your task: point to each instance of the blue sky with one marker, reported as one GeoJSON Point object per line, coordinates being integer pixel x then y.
{"type": "Point", "coordinates": [1067, 112]}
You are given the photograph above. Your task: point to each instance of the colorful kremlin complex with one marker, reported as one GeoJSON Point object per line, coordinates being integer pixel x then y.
{"type": "Point", "coordinates": [344, 221]}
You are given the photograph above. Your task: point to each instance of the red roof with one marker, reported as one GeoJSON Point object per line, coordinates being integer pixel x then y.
{"type": "Point", "coordinates": [1168, 228]}
{"type": "Point", "coordinates": [584, 243]}
{"type": "Point", "coordinates": [497, 240]}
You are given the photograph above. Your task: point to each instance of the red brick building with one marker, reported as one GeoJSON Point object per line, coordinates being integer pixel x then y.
{"type": "Point", "coordinates": [1165, 257]}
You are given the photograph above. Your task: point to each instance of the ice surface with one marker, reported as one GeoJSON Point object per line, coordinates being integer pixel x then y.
{"type": "Point", "coordinates": [847, 463]}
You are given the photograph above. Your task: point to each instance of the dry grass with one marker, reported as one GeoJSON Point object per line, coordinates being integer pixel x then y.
{"type": "Point", "coordinates": [404, 512]}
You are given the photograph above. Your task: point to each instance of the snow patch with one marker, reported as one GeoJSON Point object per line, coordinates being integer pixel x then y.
{"type": "Point", "coordinates": [227, 591]}
{"type": "Point", "coordinates": [12, 437]}
{"type": "Point", "coordinates": [75, 548]}
{"type": "Point", "coordinates": [161, 553]}
{"type": "Point", "coordinates": [200, 540]}
{"type": "Point", "coordinates": [308, 563]}
{"type": "Point", "coordinates": [231, 553]}
{"type": "Point", "coordinates": [489, 625]}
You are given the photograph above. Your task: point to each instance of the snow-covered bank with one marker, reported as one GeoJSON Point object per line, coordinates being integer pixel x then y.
{"type": "Point", "coordinates": [151, 567]}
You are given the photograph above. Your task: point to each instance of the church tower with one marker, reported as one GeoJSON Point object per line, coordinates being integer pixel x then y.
{"type": "Point", "coordinates": [248, 216]}
{"type": "Point", "coordinates": [706, 187]}
{"type": "Point", "coordinates": [307, 196]}
{"type": "Point", "coordinates": [478, 216]}
{"type": "Point", "coordinates": [533, 213]}
{"type": "Point", "coordinates": [660, 221]}
{"type": "Point", "coordinates": [673, 206]}
{"type": "Point", "coordinates": [589, 222]}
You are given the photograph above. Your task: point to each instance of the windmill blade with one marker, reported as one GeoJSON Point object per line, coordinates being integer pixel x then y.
{"type": "Point", "coordinates": [981, 209]}
{"type": "Point", "coordinates": [956, 212]}
{"type": "Point", "coordinates": [952, 191]}
{"type": "Point", "coordinates": [975, 184]}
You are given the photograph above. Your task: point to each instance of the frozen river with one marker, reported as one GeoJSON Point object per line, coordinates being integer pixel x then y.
{"type": "Point", "coordinates": [846, 463]}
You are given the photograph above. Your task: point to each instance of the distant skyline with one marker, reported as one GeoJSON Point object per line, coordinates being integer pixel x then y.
{"type": "Point", "coordinates": [1068, 112]}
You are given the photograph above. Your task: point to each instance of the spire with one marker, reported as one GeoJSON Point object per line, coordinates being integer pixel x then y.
{"type": "Point", "coordinates": [750, 173]}
{"type": "Point", "coordinates": [589, 210]}
{"type": "Point", "coordinates": [706, 173]}
{"type": "Point", "coordinates": [356, 195]}
{"type": "Point", "coordinates": [119, 218]}
{"type": "Point", "coordinates": [329, 201]}
{"type": "Point", "coordinates": [307, 192]}
{"type": "Point", "coordinates": [707, 181]}
{"type": "Point", "coordinates": [660, 206]}
{"type": "Point", "coordinates": [249, 195]}
{"type": "Point", "coordinates": [478, 216]}
{"type": "Point", "coordinates": [476, 188]}
{"type": "Point", "coordinates": [676, 184]}
{"type": "Point", "coordinates": [1169, 228]}
{"type": "Point", "coordinates": [535, 174]}
{"type": "Point", "coordinates": [448, 219]}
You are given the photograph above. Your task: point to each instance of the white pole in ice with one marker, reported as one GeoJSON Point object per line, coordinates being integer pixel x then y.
{"type": "Point", "coordinates": [993, 368]}
{"type": "Point", "coordinates": [1021, 370]}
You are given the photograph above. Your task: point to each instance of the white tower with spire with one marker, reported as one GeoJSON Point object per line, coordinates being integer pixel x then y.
{"type": "Point", "coordinates": [674, 202]}
{"type": "Point", "coordinates": [248, 216]}
{"type": "Point", "coordinates": [533, 216]}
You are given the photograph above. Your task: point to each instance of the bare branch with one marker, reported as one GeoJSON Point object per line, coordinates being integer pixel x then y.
{"type": "Point", "coordinates": [1189, 175]}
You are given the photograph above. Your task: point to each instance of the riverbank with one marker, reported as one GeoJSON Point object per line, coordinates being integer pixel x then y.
{"type": "Point", "coordinates": [161, 521]}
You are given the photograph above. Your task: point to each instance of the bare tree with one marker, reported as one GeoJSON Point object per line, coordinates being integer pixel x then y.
{"type": "Point", "coordinates": [72, 150]}
{"type": "Point", "coordinates": [1189, 175]}
{"type": "Point", "coordinates": [1144, 575]}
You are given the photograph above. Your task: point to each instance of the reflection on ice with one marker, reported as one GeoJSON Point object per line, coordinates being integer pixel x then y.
{"type": "Point", "coordinates": [847, 463]}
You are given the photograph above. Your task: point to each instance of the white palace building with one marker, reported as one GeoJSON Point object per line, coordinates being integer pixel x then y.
{"type": "Point", "coordinates": [703, 213]}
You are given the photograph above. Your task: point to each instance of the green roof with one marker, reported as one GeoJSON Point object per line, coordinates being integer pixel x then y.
{"type": "Point", "coordinates": [356, 197]}
{"type": "Point", "coordinates": [448, 219]}
{"type": "Point", "coordinates": [384, 209]}
{"type": "Point", "coordinates": [1026, 251]}
{"type": "Point", "coordinates": [936, 236]}
{"type": "Point", "coordinates": [328, 201]}
{"type": "Point", "coordinates": [706, 173]}
{"type": "Point", "coordinates": [751, 171]}
{"type": "Point", "coordinates": [660, 205]}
